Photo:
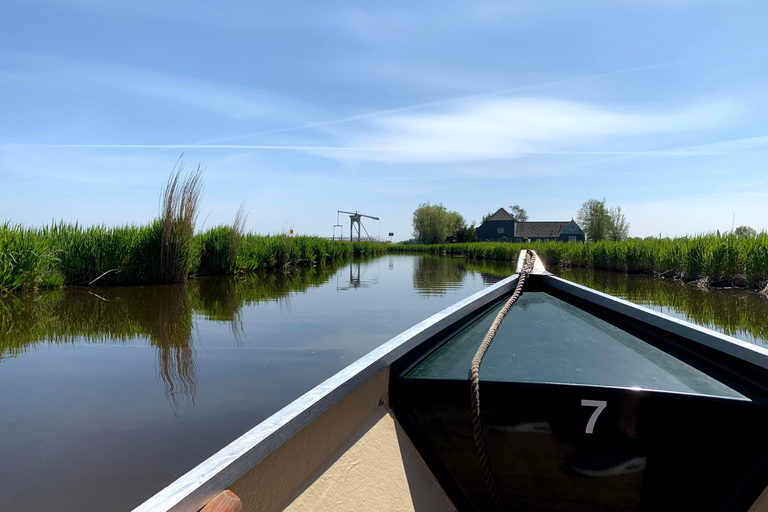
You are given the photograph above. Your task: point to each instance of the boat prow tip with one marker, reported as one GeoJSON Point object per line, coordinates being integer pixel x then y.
{"type": "Point", "coordinates": [538, 265]}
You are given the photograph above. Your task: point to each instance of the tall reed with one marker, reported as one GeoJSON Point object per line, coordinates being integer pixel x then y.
{"type": "Point", "coordinates": [179, 209]}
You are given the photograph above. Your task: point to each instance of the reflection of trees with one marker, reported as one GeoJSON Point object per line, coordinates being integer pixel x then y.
{"type": "Point", "coordinates": [734, 312]}
{"type": "Point", "coordinates": [490, 271]}
{"type": "Point", "coordinates": [161, 315]}
{"type": "Point", "coordinates": [436, 275]}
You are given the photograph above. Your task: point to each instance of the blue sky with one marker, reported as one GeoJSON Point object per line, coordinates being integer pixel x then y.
{"type": "Point", "coordinates": [300, 109]}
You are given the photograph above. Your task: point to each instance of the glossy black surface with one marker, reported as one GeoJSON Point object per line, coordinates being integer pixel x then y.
{"type": "Point", "coordinates": [544, 339]}
{"type": "Point", "coordinates": [671, 434]}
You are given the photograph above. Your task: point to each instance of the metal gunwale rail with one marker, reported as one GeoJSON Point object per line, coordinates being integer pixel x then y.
{"type": "Point", "coordinates": [193, 490]}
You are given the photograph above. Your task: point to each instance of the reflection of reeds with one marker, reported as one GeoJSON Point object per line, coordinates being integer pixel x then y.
{"type": "Point", "coordinates": [173, 339]}
{"type": "Point", "coordinates": [737, 313]}
{"type": "Point", "coordinates": [162, 315]}
{"type": "Point", "coordinates": [724, 260]}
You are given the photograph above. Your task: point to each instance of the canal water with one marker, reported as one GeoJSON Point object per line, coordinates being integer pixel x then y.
{"type": "Point", "coordinates": [112, 393]}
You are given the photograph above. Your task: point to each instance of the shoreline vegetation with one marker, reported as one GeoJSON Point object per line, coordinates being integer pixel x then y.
{"type": "Point", "coordinates": [708, 260]}
{"type": "Point", "coordinates": [167, 250]}
{"type": "Point", "coordinates": [73, 255]}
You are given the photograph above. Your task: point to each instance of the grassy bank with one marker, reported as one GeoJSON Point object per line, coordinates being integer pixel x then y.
{"type": "Point", "coordinates": [70, 254]}
{"type": "Point", "coordinates": [165, 251]}
{"type": "Point", "coordinates": [716, 260]}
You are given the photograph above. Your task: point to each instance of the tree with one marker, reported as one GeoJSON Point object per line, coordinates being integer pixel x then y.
{"type": "Point", "coordinates": [486, 217]}
{"type": "Point", "coordinates": [594, 219]}
{"type": "Point", "coordinates": [619, 228]}
{"type": "Point", "coordinates": [432, 224]}
{"type": "Point", "coordinates": [745, 232]}
{"type": "Point", "coordinates": [518, 213]}
{"type": "Point", "coordinates": [456, 222]}
{"type": "Point", "coordinates": [466, 234]}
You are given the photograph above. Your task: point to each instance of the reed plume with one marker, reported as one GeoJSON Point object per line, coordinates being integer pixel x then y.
{"type": "Point", "coordinates": [179, 208]}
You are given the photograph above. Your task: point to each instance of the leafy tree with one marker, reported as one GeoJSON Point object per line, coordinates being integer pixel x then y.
{"type": "Point", "coordinates": [434, 224]}
{"type": "Point", "coordinates": [456, 222]}
{"type": "Point", "coordinates": [466, 234]}
{"type": "Point", "coordinates": [745, 232]}
{"type": "Point", "coordinates": [619, 228]}
{"type": "Point", "coordinates": [486, 217]}
{"type": "Point", "coordinates": [518, 213]}
{"type": "Point", "coordinates": [431, 223]}
{"type": "Point", "coordinates": [595, 219]}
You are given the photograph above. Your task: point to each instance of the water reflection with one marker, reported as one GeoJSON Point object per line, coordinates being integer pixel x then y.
{"type": "Point", "coordinates": [739, 313]}
{"type": "Point", "coordinates": [162, 316]}
{"type": "Point", "coordinates": [437, 275]}
{"type": "Point", "coordinates": [359, 274]}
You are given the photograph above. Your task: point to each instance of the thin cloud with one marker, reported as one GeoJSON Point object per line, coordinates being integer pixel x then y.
{"type": "Point", "coordinates": [459, 99]}
{"type": "Point", "coordinates": [511, 153]}
{"type": "Point", "coordinates": [503, 128]}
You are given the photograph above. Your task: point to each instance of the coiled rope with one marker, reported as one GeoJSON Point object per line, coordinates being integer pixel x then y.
{"type": "Point", "coordinates": [474, 381]}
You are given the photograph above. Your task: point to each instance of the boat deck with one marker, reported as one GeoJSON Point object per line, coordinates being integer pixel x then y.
{"type": "Point", "coordinates": [584, 408]}
{"type": "Point", "coordinates": [544, 339]}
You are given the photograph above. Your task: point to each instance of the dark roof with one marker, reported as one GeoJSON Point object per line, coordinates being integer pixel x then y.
{"type": "Point", "coordinates": [540, 229]}
{"type": "Point", "coordinates": [501, 214]}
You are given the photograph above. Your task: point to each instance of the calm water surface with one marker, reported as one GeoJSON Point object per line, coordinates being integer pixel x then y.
{"type": "Point", "coordinates": [111, 393]}
{"type": "Point", "coordinates": [742, 314]}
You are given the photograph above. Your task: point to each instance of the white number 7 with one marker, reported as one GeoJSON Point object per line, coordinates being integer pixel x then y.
{"type": "Point", "coordinates": [600, 404]}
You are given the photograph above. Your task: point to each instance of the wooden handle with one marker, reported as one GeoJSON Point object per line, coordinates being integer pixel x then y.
{"type": "Point", "coordinates": [225, 501]}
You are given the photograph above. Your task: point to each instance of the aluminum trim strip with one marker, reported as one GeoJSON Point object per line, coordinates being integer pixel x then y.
{"type": "Point", "coordinates": [193, 490]}
{"type": "Point", "coordinates": [707, 337]}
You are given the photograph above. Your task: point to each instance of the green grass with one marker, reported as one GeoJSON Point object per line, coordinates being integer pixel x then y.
{"type": "Point", "coordinates": [260, 252]}
{"type": "Point", "coordinates": [720, 260]}
{"type": "Point", "coordinates": [27, 260]}
{"type": "Point", "coordinates": [75, 255]}
{"type": "Point", "coordinates": [164, 251]}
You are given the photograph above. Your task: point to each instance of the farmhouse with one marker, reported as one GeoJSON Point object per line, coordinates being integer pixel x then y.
{"type": "Point", "coordinates": [502, 227]}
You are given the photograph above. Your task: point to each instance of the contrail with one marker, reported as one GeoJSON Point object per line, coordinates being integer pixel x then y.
{"type": "Point", "coordinates": [201, 146]}
{"type": "Point", "coordinates": [671, 152]}
{"type": "Point", "coordinates": [459, 99]}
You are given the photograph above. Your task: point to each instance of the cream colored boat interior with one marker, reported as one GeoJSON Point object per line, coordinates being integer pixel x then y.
{"type": "Point", "coordinates": [353, 457]}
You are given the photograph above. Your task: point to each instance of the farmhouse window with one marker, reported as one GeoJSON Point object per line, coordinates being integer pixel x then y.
{"type": "Point", "coordinates": [499, 230]}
